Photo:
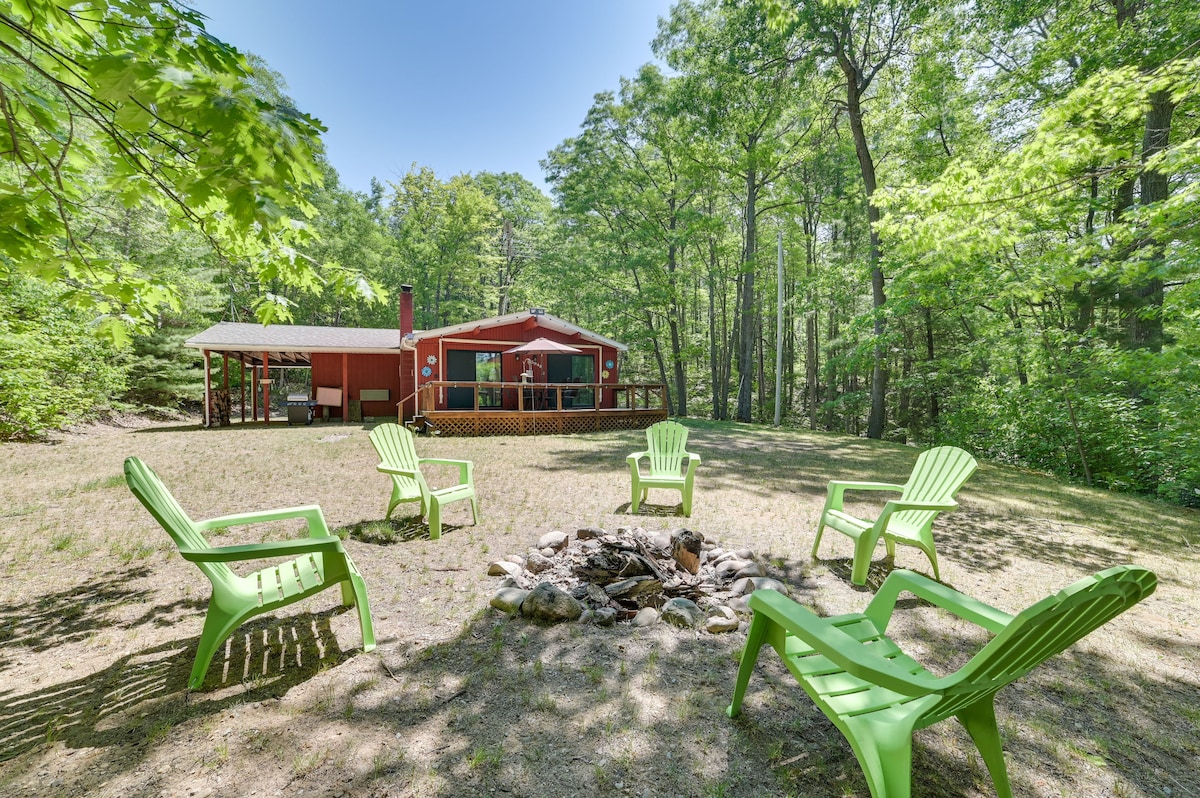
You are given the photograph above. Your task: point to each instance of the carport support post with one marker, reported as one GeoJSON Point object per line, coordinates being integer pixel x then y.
{"type": "Point", "coordinates": [266, 385]}
{"type": "Point", "coordinates": [207, 389]}
{"type": "Point", "coordinates": [242, 382]}
{"type": "Point", "coordinates": [345, 386]}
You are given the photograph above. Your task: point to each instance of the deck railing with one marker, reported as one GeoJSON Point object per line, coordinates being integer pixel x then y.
{"type": "Point", "coordinates": [561, 397]}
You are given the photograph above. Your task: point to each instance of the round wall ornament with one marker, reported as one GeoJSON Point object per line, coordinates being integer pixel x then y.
{"type": "Point", "coordinates": [608, 364]}
{"type": "Point", "coordinates": [426, 371]}
{"type": "Point", "coordinates": [431, 360]}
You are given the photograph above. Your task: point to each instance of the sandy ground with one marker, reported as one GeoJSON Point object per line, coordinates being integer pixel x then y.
{"type": "Point", "coordinates": [100, 616]}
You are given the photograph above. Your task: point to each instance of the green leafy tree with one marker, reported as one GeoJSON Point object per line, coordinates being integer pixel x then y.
{"type": "Point", "coordinates": [134, 97]}
{"type": "Point", "coordinates": [54, 370]}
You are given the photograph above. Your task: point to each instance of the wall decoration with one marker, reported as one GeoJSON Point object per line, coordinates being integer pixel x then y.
{"type": "Point", "coordinates": [431, 360]}
{"type": "Point", "coordinates": [604, 374]}
{"type": "Point", "coordinates": [426, 371]}
{"type": "Point", "coordinates": [608, 364]}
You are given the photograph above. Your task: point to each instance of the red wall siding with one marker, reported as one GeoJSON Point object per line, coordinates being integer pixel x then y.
{"type": "Point", "coordinates": [363, 371]}
{"type": "Point", "coordinates": [431, 355]}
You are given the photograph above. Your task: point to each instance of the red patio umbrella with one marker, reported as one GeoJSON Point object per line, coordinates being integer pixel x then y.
{"type": "Point", "coordinates": [539, 346]}
{"type": "Point", "coordinates": [543, 346]}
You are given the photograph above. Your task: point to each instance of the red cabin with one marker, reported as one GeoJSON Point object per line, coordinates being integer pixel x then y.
{"type": "Point", "coordinates": [524, 373]}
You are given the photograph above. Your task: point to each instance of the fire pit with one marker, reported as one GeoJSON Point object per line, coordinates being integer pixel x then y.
{"type": "Point", "coordinates": [299, 408]}
{"type": "Point", "coordinates": [630, 575]}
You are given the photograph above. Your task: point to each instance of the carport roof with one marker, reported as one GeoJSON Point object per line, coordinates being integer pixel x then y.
{"type": "Point", "coordinates": [291, 344]}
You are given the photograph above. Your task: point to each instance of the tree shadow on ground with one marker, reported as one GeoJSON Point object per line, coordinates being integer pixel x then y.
{"type": "Point", "coordinates": [509, 707]}
{"type": "Point", "coordinates": [69, 616]}
{"type": "Point", "coordinates": [144, 693]}
{"type": "Point", "coordinates": [386, 531]}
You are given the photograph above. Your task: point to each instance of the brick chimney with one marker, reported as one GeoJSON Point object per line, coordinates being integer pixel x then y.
{"type": "Point", "coordinates": [406, 310]}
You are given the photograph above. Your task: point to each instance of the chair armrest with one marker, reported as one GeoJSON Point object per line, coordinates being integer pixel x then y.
{"type": "Point", "coordinates": [633, 458]}
{"type": "Point", "coordinates": [260, 551]}
{"type": "Point", "coordinates": [969, 609]}
{"type": "Point", "coordinates": [400, 472]}
{"type": "Point", "coordinates": [693, 461]}
{"type": "Point", "coordinates": [828, 640]}
{"type": "Point", "coordinates": [838, 487]}
{"type": "Point", "coordinates": [309, 512]}
{"type": "Point", "coordinates": [896, 506]}
{"type": "Point", "coordinates": [465, 467]}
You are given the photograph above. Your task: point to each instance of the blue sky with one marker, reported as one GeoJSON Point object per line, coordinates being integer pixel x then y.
{"type": "Point", "coordinates": [463, 86]}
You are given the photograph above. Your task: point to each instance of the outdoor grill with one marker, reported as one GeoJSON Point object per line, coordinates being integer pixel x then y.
{"type": "Point", "coordinates": [299, 408]}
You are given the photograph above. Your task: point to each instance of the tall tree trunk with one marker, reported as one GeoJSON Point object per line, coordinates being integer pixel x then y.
{"type": "Point", "coordinates": [1143, 301]}
{"type": "Point", "coordinates": [746, 336]}
{"type": "Point", "coordinates": [879, 374]}
{"type": "Point", "coordinates": [673, 318]}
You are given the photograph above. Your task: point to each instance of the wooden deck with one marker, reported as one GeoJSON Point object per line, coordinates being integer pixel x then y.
{"type": "Point", "coordinates": [491, 408]}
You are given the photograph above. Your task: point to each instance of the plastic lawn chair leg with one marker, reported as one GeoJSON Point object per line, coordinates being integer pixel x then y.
{"type": "Point", "coordinates": [217, 627]}
{"type": "Point", "coordinates": [864, 546]}
{"type": "Point", "coordinates": [884, 751]}
{"type": "Point", "coordinates": [359, 587]}
{"type": "Point", "coordinates": [980, 722]}
{"type": "Point", "coordinates": [754, 640]}
{"type": "Point", "coordinates": [435, 519]}
{"type": "Point", "coordinates": [817, 542]}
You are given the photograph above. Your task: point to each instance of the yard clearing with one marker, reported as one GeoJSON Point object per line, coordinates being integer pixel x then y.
{"type": "Point", "coordinates": [99, 618]}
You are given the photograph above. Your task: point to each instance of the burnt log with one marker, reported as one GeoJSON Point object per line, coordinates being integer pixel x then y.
{"type": "Point", "coordinates": [611, 564]}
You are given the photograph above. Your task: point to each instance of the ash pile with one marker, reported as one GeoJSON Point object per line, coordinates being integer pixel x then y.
{"type": "Point", "coordinates": [631, 576]}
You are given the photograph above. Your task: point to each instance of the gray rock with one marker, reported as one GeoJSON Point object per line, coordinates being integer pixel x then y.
{"type": "Point", "coordinates": [509, 599]}
{"type": "Point", "coordinates": [647, 616]}
{"type": "Point", "coordinates": [727, 568]}
{"type": "Point", "coordinates": [604, 616]}
{"type": "Point", "coordinates": [661, 542]}
{"type": "Point", "coordinates": [553, 540]}
{"type": "Point", "coordinates": [516, 558]}
{"type": "Point", "coordinates": [749, 584]}
{"type": "Point", "coordinates": [539, 562]}
{"type": "Point", "coordinates": [738, 604]}
{"type": "Point", "coordinates": [548, 603]}
{"type": "Point", "coordinates": [589, 533]}
{"type": "Point", "coordinates": [504, 568]}
{"type": "Point", "coordinates": [682, 612]}
{"type": "Point", "coordinates": [722, 620]}
{"type": "Point", "coordinates": [749, 569]}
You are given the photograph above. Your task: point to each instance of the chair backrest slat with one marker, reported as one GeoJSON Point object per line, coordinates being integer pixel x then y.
{"type": "Point", "coordinates": [395, 447]}
{"type": "Point", "coordinates": [154, 496]}
{"type": "Point", "coordinates": [1043, 630]}
{"type": "Point", "coordinates": [666, 442]}
{"type": "Point", "coordinates": [937, 476]}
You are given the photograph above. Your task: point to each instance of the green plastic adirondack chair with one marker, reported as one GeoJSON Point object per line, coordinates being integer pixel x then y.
{"type": "Point", "coordinates": [322, 563]}
{"type": "Point", "coordinates": [908, 520]}
{"type": "Point", "coordinates": [398, 459]}
{"type": "Point", "coordinates": [877, 695]}
{"type": "Point", "coordinates": [669, 465]}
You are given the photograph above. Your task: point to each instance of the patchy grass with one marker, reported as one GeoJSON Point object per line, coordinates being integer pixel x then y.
{"type": "Point", "coordinates": [99, 619]}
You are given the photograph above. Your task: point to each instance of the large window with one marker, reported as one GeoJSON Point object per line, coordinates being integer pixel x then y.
{"type": "Point", "coordinates": [465, 365]}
